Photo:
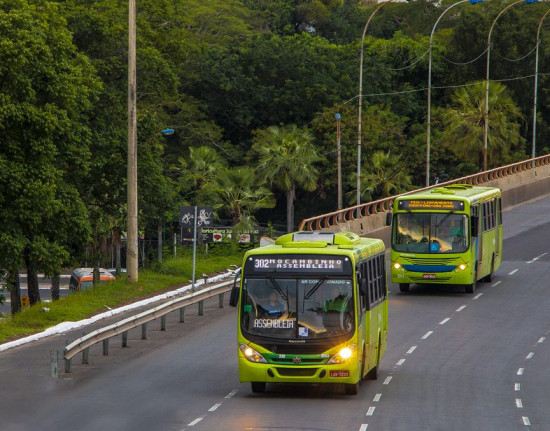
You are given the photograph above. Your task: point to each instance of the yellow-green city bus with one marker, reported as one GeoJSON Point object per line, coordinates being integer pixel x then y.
{"type": "Point", "coordinates": [313, 308]}
{"type": "Point", "coordinates": [446, 235]}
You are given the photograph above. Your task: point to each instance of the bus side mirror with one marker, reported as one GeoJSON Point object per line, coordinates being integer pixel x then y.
{"type": "Point", "coordinates": [388, 219]}
{"type": "Point", "coordinates": [234, 297]}
{"type": "Point", "coordinates": [475, 223]}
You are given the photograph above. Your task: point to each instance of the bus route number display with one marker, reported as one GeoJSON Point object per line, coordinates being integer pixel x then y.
{"type": "Point", "coordinates": [431, 204]}
{"type": "Point", "coordinates": [292, 264]}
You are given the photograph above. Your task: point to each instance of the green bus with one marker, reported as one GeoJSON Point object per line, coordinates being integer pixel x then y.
{"type": "Point", "coordinates": [312, 308]}
{"type": "Point", "coordinates": [446, 235]}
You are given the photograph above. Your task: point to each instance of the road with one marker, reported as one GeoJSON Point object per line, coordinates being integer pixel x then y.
{"type": "Point", "coordinates": [454, 362]}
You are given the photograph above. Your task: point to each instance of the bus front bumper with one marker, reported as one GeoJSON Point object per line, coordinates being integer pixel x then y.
{"type": "Point", "coordinates": [347, 372]}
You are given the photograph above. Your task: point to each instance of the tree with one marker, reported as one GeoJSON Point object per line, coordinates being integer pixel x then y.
{"type": "Point", "coordinates": [464, 123]}
{"type": "Point", "coordinates": [46, 93]}
{"type": "Point", "coordinates": [385, 175]}
{"type": "Point", "coordinates": [286, 159]}
{"type": "Point", "coordinates": [240, 194]}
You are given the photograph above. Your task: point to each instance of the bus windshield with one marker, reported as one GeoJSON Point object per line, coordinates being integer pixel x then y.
{"type": "Point", "coordinates": [298, 308]}
{"type": "Point", "coordinates": [431, 233]}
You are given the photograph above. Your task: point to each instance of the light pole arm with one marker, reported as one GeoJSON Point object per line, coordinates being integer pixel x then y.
{"type": "Point", "coordinates": [486, 113]}
{"type": "Point", "coordinates": [429, 115]}
{"type": "Point", "coordinates": [359, 138]}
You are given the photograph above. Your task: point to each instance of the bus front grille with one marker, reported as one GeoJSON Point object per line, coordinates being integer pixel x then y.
{"type": "Point", "coordinates": [430, 260]}
{"type": "Point", "coordinates": [296, 372]}
{"type": "Point", "coordinates": [424, 280]}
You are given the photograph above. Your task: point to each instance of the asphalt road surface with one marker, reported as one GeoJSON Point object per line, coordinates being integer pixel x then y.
{"type": "Point", "coordinates": [455, 362]}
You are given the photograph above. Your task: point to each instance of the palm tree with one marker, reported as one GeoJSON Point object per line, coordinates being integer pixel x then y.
{"type": "Point", "coordinates": [384, 175]}
{"type": "Point", "coordinates": [240, 194]}
{"type": "Point", "coordinates": [464, 123]}
{"type": "Point", "coordinates": [286, 158]}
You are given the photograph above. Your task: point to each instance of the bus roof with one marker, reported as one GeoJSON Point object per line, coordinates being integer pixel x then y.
{"type": "Point", "coordinates": [453, 192]}
{"type": "Point", "coordinates": [343, 243]}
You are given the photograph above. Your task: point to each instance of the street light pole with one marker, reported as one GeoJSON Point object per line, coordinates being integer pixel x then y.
{"type": "Point", "coordinates": [132, 241]}
{"type": "Point", "coordinates": [534, 139]}
{"type": "Point", "coordinates": [486, 113]}
{"type": "Point", "coordinates": [361, 100]}
{"type": "Point", "coordinates": [429, 115]}
{"type": "Point", "coordinates": [339, 157]}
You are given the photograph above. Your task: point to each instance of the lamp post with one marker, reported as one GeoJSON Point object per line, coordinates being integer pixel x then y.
{"type": "Point", "coordinates": [132, 241]}
{"type": "Point", "coordinates": [429, 116]}
{"type": "Point", "coordinates": [380, 6]}
{"type": "Point", "coordinates": [339, 157]}
{"type": "Point", "coordinates": [534, 140]}
{"type": "Point", "coordinates": [486, 113]}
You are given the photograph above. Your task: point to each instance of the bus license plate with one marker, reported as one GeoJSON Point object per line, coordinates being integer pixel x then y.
{"type": "Point", "coordinates": [428, 276]}
{"type": "Point", "coordinates": [339, 373]}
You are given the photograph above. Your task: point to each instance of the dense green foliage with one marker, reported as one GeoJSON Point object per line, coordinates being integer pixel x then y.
{"type": "Point", "coordinates": [222, 74]}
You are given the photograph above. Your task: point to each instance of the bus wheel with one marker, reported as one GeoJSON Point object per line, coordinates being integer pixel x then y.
{"type": "Point", "coordinates": [373, 374]}
{"type": "Point", "coordinates": [404, 287]}
{"type": "Point", "coordinates": [351, 388]}
{"type": "Point", "coordinates": [471, 288]}
{"type": "Point", "coordinates": [489, 277]}
{"type": "Point", "coordinates": [258, 387]}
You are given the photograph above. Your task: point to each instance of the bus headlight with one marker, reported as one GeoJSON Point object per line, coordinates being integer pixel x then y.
{"type": "Point", "coordinates": [343, 355]}
{"type": "Point", "coordinates": [251, 354]}
{"type": "Point", "coordinates": [461, 267]}
{"type": "Point", "coordinates": [397, 266]}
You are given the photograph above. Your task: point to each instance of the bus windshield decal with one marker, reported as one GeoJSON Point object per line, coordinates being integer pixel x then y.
{"type": "Point", "coordinates": [431, 204]}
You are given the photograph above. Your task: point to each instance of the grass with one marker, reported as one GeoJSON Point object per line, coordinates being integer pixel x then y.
{"type": "Point", "coordinates": [172, 274]}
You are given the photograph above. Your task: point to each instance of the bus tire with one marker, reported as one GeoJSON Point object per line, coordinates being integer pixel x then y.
{"type": "Point", "coordinates": [404, 287]}
{"type": "Point", "coordinates": [373, 373]}
{"type": "Point", "coordinates": [471, 288]}
{"type": "Point", "coordinates": [489, 277]}
{"type": "Point", "coordinates": [351, 388]}
{"type": "Point", "coordinates": [258, 387]}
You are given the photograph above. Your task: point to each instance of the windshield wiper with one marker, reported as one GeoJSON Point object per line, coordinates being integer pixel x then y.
{"type": "Point", "coordinates": [315, 287]}
{"type": "Point", "coordinates": [278, 288]}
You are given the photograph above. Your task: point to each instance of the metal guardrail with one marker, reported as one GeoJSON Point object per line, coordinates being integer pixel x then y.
{"type": "Point", "coordinates": [82, 344]}
{"type": "Point", "coordinates": [335, 218]}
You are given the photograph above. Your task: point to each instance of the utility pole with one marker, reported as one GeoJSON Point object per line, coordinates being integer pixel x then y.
{"type": "Point", "coordinates": [132, 241]}
{"type": "Point", "coordinates": [339, 157]}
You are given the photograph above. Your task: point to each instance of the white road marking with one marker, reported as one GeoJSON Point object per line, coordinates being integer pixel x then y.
{"type": "Point", "coordinates": [541, 339]}
{"type": "Point", "coordinates": [520, 371]}
{"type": "Point", "coordinates": [526, 421]}
{"type": "Point", "coordinates": [412, 349]}
{"type": "Point", "coordinates": [478, 296]}
{"type": "Point", "coordinates": [363, 427]}
{"type": "Point", "coordinates": [230, 394]}
{"type": "Point", "coordinates": [388, 380]}
{"type": "Point", "coordinates": [496, 283]}
{"type": "Point", "coordinates": [370, 411]}
{"type": "Point", "coordinates": [427, 334]}
{"type": "Point", "coordinates": [459, 309]}
{"type": "Point", "coordinates": [214, 407]}
{"type": "Point", "coordinates": [513, 272]}
{"type": "Point", "coordinates": [517, 387]}
{"type": "Point", "coordinates": [530, 355]}
{"type": "Point", "coordinates": [536, 258]}
{"type": "Point", "coordinates": [400, 362]}
{"type": "Point", "coordinates": [195, 422]}
{"type": "Point", "coordinates": [519, 404]}
{"type": "Point", "coordinates": [377, 397]}
{"type": "Point", "coordinates": [444, 321]}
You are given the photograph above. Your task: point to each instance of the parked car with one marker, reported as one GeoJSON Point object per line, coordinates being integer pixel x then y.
{"type": "Point", "coordinates": [83, 278]}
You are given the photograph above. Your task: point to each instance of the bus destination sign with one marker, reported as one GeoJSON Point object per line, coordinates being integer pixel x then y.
{"type": "Point", "coordinates": [278, 263]}
{"type": "Point", "coordinates": [431, 204]}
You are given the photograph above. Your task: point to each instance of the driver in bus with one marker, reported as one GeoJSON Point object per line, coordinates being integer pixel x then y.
{"type": "Point", "coordinates": [274, 308]}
